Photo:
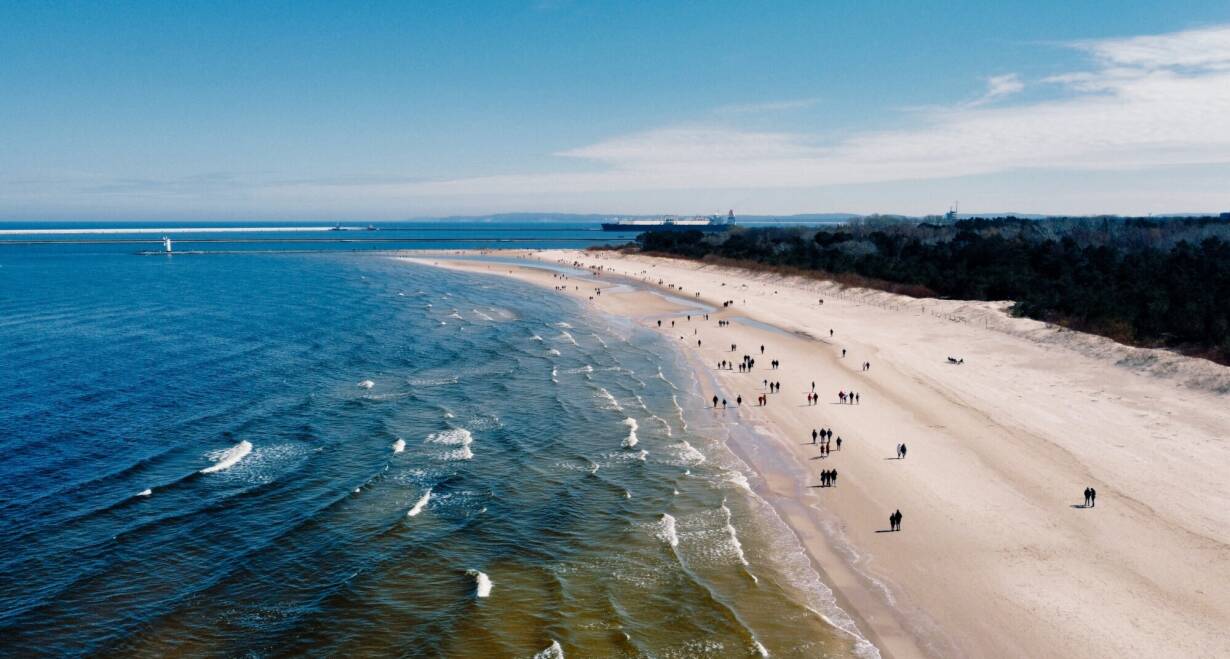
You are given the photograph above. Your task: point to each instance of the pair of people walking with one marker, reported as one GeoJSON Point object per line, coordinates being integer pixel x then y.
{"type": "Point", "coordinates": [901, 451]}
{"type": "Point", "coordinates": [894, 521]}
{"type": "Point", "coordinates": [1091, 497]}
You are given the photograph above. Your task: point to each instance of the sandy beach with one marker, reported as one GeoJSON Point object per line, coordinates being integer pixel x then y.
{"type": "Point", "coordinates": [997, 555]}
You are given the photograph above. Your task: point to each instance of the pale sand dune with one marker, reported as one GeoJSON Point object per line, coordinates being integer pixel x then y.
{"type": "Point", "coordinates": [994, 560]}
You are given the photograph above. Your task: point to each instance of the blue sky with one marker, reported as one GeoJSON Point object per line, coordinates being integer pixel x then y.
{"type": "Point", "coordinates": [392, 110]}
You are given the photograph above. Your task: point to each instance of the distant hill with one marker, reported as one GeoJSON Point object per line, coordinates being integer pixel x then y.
{"type": "Point", "coordinates": [573, 218]}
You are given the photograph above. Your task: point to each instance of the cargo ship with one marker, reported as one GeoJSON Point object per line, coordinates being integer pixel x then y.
{"type": "Point", "coordinates": [709, 224]}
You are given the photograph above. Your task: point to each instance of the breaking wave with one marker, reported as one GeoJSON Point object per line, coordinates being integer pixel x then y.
{"type": "Point", "coordinates": [229, 458]}
{"type": "Point", "coordinates": [631, 439]}
{"type": "Point", "coordinates": [420, 504]}
{"type": "Point", "coordinates": [482, 583]}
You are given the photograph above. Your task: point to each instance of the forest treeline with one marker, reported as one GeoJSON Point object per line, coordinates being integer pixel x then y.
{"type": "Point", "coordinates": [1142, 281]}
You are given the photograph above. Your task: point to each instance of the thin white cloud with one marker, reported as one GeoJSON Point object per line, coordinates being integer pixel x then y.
{"type": "Point", "coordinates": [767, 107]}
{"type": "Point", "coordinates": [999, 87]}
{"type": "Point", "coordinates": [1203, 48]}
{"type": "Point", "coordinates": [1146, 102]}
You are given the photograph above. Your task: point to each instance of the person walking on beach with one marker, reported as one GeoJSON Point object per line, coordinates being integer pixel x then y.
{"type": "Point", "coordinates": [903, 450]}
{"type": "Point", "coordinates": [858, 399]}
{"type": "Point", "coordinates": [815, 434]}
{"type": "Point", "coordinates": [1093, 497]}
{"type": "Point", "coordinates": [1086, 496]}
{"type": "Point", "coordinates": [715, 400]}
{"type": "Point", "coordinates": [838, 443]}
{"type": "Point", "coordinates": [723, 403]}
{"type": "Point", "coordinates": [739, 400]}
{"type": "Point", "coordinates": [843, 353]}
{"type": "Point", "coordinates": [833, 477]}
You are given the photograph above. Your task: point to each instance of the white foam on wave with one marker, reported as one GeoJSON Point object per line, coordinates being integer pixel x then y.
{"type": "Point", "coordinates": [420, 504]}
{"type": "Point", "coordinates": [399, 445]}
{"type": "Point", "coordinates": [553, 351]}
{"type": "Point", "coordinates": [690, 455]}
{"type": "Point", "coordinates": [563, 324]}
{"type": "Point", "coordinates": [536, 337]}
{"type": "Point", "coordinates": [736, 478]}
{"type": "Point", "coordinates": [455, 437]}
{"type": "Point", "coordinates": [553, 651]}
{"type": "Point", "coordinates": [483, 315]}
{"type": "Point", "coordinates": [631, 439]}
{"type": "Point", "coordinates": [366, 384]}
{"type": "Point", "coordinates": [612, 404]}
{"type": "Point", "coordinates": [482, 583]}
{"type": "Point", "coordinates": [734, 541]}
{"type": "Point", "coordinates": [229, 458]}
{"type": "Point", "coordinates": [683, 423]}
{"type": "Point", "coordinates": [666, 530]}
{"type": "Point", "coordinates": [566, 335]}
{"type": "Point", "coordinates": [146, 492]}
{"type": "Point", "coordinates": [555, 375]}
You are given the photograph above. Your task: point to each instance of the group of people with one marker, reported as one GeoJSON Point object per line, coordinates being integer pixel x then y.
{"type": "Point", "coordinates": [828, 478]}
{"type": "Point", "coordinates": [775, 363]}
{"type": "Point", "coordinates": [813, 398]}
{"type": "Point", "coordinates": [848, 398]}
{"type": "Point", "coordinates": [866, 366]}
{"type": "Point", "coordinates": [1091, 497]}
{"type": "Point", "coordinates": [894, 521]}
{"type": "Point", "coordinates": [773, 387]}
{"type": "Point", "coordinates": [901, 451]}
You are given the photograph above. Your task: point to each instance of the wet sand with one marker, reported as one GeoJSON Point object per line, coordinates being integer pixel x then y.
{"type": "Point", "coordinates": [997, 556]}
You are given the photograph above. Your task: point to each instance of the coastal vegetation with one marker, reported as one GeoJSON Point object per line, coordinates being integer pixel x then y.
{"type": "Point", "coordinates": [1159, 282]}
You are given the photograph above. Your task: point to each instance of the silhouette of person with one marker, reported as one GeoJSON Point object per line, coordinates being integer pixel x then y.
{"type": "Point", "coordinates": [903, 450]}
{"type": "Point", "coordinates": [715, 400]}
{"type": "Point", "coordinates": [838, 443]}
{"type": "Point", "coordinates": [723, 403]}
{"type": "Point", "coordinates": [1093, 497]}
{"type": "Point", "coordinates": [814, 434]}
{"type": "Point", "coordinates": [1086, 497]}
{"type": "Point", "coordinates": [843, 353]}
{"type": "Point", "coordinates": [739, 400]}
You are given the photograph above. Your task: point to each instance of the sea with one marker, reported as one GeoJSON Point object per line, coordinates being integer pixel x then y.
{"type": "Point", "coordinates": [293, 443]}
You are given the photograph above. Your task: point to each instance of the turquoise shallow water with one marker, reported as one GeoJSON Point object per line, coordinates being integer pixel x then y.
{"type": "Point", "coordinates": [327, 453]}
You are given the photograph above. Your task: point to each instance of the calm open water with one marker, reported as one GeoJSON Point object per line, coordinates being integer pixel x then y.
{"type": "Point", "coordinates": [192, 462]}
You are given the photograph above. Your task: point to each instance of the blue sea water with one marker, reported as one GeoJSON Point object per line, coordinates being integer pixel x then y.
{"type": "Point", "coordinates": [285, 452]}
